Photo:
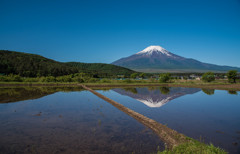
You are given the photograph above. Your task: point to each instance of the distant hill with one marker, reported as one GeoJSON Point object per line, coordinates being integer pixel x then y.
{"type": "Point", "coordinates": [100, 68]}
{"type": "Point", "coordinates": [157, 59]}
{"type": "Point", "coordinates": [32, 65]}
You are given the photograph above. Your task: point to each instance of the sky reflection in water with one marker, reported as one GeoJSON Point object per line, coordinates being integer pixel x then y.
{"type": "Point", "coordinates": [69, 119]}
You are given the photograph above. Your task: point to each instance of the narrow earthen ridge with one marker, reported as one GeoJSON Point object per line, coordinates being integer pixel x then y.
{"type": "Point", "coordinates": [167, 135]}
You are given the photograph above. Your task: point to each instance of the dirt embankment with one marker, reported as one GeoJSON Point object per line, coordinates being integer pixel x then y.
{"type": "Point", "coordinates": [169, 136]}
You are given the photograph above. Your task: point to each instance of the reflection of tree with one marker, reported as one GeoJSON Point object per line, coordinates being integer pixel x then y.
{"type": "Point", "coordinates": [8, 95]}
{"type": "Point", "coordinates": [102, 88]}
{"type": "Point", "coordinates": [164, 90]}
{"type": "Point", "coordinates": [232, 92]}
{"type": "Point", "coordinates": [208, 91]}
{"type": "Point", "coordinates": [152, 88]}
{"type": "Point", "coordinates": [133, 90]}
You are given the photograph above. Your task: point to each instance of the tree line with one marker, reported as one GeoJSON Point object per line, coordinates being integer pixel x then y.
{"type": "Point", "coordinates": [232, 76]}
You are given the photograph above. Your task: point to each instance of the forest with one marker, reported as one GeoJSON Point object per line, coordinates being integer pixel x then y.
{"type": "Point", "coordinates": [32, 65]}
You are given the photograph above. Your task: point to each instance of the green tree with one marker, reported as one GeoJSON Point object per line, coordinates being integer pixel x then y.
{"type": "Point", "coordinates": [164, 78]}
{"type": "Point", "coordinates": [50, 79]}
{"type": "Point", "coordinates": [105, 80]}
{"type": "Point", "coordinates": [78, 79]}
{"type": "Point", "coordinates": [142, 75]}
{"type": "Point", "coordinates": [3, 78]}
{"type": "Point", "coordinates": [232, 76]}
{"type": "Point", "coordinates": [93, 80]}
{"type": "Point", "coordinates": [208, 77]}
{"type": "Point", "coordinates": [67, 78]}
{"type": "Point", "coordinates": [134, 75]}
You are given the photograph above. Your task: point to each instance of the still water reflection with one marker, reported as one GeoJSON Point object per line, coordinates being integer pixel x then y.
{"type": "Point", "coordinates": [71, 120]}
{"type": "Point", "coordinates": [209, 115]}
{"type": "Point", "coordinates": [68, 120]}
{"type": "Point", "coordinates": [156, 96]}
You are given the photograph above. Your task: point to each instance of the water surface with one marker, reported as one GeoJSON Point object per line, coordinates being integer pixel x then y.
{"type": "Point", "coordinates": [68, 120]}
{"type": "Point", "coordinates": [72, 120]}
{"type": "Point", "coordinates": [212, 116]}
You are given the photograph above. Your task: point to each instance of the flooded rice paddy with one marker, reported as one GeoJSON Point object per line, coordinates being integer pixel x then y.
{"type": "Point", "coordinates": [72, 120]}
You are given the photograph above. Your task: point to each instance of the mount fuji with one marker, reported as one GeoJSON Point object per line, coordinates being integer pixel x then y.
{"type": "Point", "coordinates": [157, 59]}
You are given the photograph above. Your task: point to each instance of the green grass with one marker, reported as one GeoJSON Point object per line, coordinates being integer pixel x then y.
{"type": "Point", "coordinates": [126, 82]}
{"type": "Point", "coordinates": [194, 147]}
{"type": "Point", "coordinates": [218, 84]}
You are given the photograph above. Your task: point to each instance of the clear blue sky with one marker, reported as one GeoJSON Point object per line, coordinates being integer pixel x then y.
{"type": "Point", "coordinates": [106, 30]}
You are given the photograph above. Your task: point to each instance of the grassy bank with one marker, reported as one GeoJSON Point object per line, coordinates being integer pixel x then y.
{"type": "Point", "coordinates": [218, 84]}
{"type": "Point", "coordinates": [193, 146]}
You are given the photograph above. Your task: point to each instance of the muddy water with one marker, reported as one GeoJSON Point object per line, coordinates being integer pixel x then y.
{"type": "Point", "coordinates": [212, 116]}
{"type": "Point", "coordinates": [68, 120]}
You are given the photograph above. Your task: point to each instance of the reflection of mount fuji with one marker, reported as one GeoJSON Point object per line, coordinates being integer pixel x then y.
{"type": "Point", "coordinates": [157, 96]}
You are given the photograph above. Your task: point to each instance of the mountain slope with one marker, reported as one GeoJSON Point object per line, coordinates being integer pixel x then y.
{"type": "Point", "coordinates": [32, 65]}
{"type": "Point", "coordinates": [156, 57]}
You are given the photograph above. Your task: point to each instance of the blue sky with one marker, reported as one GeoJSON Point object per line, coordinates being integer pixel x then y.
{"type": "Point", "coordinates": [106, 30]}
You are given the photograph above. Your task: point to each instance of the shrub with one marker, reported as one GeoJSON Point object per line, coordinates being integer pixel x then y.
{"type": "Point", "coordinates": [232, 76]}
{"type": "Point", "coordinates": [164, 78]}
{"type": "Point", "coordinates": [3, 78]}
{"type": "Point", "coordinates": [105, 81]}
{"type": "Point", "coordinates": [134, 75]}
{"type": "Point", "coordinates": [152, 80]}
{"type": "Point", "coordinates": [142, 75]}
{"type": "Point", "coordinates": [17, 78]}
{"type": "Point", "coordinates": [30, 80]}
{"type": "Point", "coordinates": [78, 79]}
{"type": "Point", "coordinates": [93, 80]}
{"type": "Point", "coordinates": [208, 77]}
{"type": "Point", "coordinates": [48, 79]}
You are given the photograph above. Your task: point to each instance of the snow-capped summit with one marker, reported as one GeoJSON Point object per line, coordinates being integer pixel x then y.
{"type": "Point", "coordinates": [151, 49]}
{"type": "Point", "coordinates": [155, 103]}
